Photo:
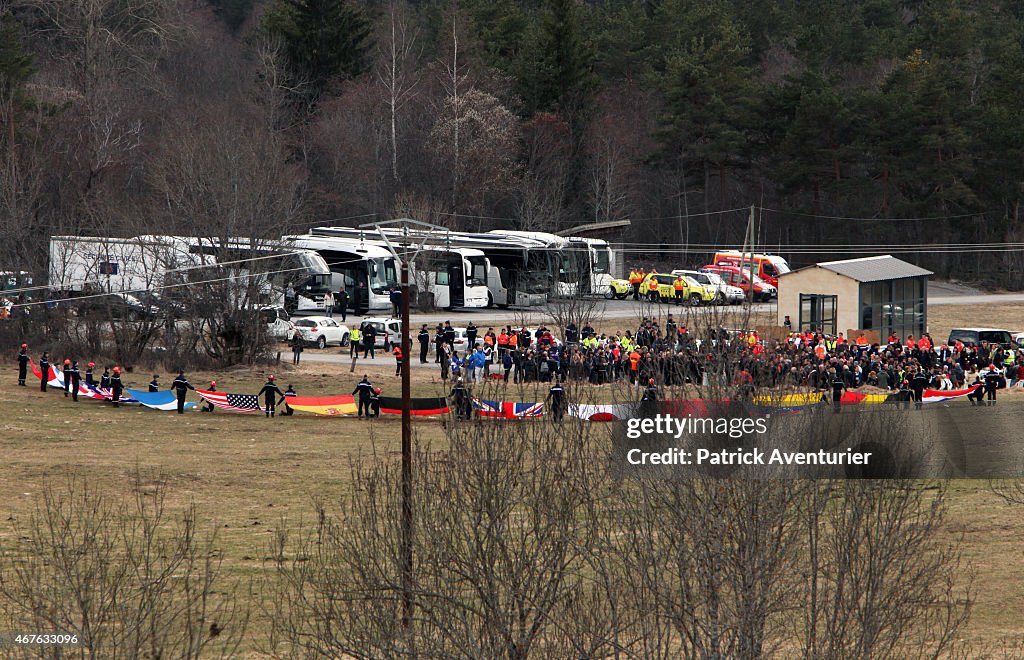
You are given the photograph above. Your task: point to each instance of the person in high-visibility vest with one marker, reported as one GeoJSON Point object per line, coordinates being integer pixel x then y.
{"type": "Point", "coordinates": [634, 281]}
{"type": "Point", "coordinates": [680, 286]}
{"type": "Point", "coordinates": [354, 338]}
{"type": "Point", "coordinates": [652, 288]}
{"type": "Point", "coordinates": [397, 352]}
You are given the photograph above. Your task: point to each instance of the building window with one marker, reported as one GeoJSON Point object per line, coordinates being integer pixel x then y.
{"type": "Point", "coordinates": [818, 313]}
{"type": "Point", "coordinates": [894, 307]}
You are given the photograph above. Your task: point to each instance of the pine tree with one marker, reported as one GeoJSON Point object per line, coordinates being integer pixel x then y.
{"type": "Point", "coordinates": [324, 39]}
{"type": "Point", "coordinates": [555, 68]}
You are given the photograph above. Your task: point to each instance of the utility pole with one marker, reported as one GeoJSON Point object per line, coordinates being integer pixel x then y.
{"type": "Point", "coordinates": [748, 240]}
{"type": "Point", "coordinates": [406, 448]}
{"type": "Point", "coordinates": [406, 542]}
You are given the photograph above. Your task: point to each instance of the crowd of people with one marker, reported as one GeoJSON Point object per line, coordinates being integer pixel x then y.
{"type": "Point", "coordinates": [672, 355]}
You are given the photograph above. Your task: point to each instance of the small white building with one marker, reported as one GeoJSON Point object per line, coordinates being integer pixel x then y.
{"type": "Point", "coordinates": [883, 294]}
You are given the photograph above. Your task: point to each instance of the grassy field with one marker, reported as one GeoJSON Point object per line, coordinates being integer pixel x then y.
{"type": "Point", "coordinates": [246, 474]}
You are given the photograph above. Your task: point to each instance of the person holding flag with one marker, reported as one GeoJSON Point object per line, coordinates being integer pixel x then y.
{"type": "Point", "coordinates": [44, 370]}
{"type": "Point", "coordinates": [363, 389]}
{"type": "Point", "coordinates": [269, 392]}
{"type": "Point", "coordinates": [209, 406]}
{"type": "Point", "coordinates": [75, 379]}
{"type": "Point", "coordinates": [116, 387]}
{"type": "Point", "coordinates": [67, 377]}
{"type": "Point", "coordinates": [23, 365]}
{"type": "Point", "coordinates": [288, 393]}
{"type": "Point", "coordinates": [90, 381]}
{"type": "Point", "coordinates": [556, 397]}
{"type": "Point", "coordinates": [181, 386]}
{"type": "Point", "coordinates": [374, 403]}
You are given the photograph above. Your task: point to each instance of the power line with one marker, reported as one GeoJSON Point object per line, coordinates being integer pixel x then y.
{"type": "Point", "coordinates": [872, 219]}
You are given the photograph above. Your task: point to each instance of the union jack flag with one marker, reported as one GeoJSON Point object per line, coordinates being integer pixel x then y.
{"type": "Point", "coordinates": [246, 403]}
{"type": "Point", "coordinates": [508, 409]}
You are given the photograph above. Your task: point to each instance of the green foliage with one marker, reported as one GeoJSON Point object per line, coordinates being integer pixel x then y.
{"type": "Point", "coordinates": [554, 70]}
{"type": "Point", "coordinates": [16, 65]}
{"type": "Point", "coordinates": [324, 39]}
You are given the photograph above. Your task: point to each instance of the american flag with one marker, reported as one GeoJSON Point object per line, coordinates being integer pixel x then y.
{"type": "Point", "coordinates": [508, 409]}
{"type": "Point", "coordinates": [247, 403]}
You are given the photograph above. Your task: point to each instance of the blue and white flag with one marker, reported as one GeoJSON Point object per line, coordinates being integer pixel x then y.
{"type": "Point", "coordinates": [162, 400]}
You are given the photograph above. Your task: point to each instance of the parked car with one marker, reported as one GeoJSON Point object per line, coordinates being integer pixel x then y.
{"type": "Point", "coordinates": [1018, 338]}
{"type": "Point", "coordinates": [388, 331]}
{"type": "Point", "coordinates": [279, 324]}
{"type": "Point", "coordinates": [766, 266]}
{"type": "Point", "coordinates": [116, 306]}
{"type": "Point", "coordinates": [975, 336]}
{"type": "Point", "coordinates": [618, 289]}
{"type": "Point", "coordinates": [740, 277]}
{"type": "Point", "coordinates": [694, 293]}
{"type": "Point", "coordinates": [321, 331]}
{"type": "Point", "coordinates": [724, 293]}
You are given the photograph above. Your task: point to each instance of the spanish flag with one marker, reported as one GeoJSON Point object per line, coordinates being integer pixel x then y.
{"type": "Point", "coordinates": [323, 405]}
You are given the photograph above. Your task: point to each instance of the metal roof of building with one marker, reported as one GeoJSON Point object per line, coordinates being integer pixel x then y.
{"type": "Point", "coordinates": [873, 269]}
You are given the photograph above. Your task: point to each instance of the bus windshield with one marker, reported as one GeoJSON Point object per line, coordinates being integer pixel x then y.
{"type": "Point", "coordinates": [476, 274]}
{"type": "Point", "coordinates": [383, 275]}
{"type": "Point", "coordinates": [601, 260]}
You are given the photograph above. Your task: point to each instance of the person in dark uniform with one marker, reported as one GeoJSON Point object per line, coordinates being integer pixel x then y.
{"type": "Point", "coordinates": [460, 397]}
{"type": "Point", "coordinates": [154, 385]}
{"type": "Point", "coordinates": [209, 406]}
{"type": "Point", "coordinates": [374, 403]}
{"type": "Point", "coordinates": [438, 343]}
{"type": "Point", "coordinates": [651, 393]}
{"type": "Point", "coordinates": [369, 340]}
{"type": "Point", "coordinates": [181, 386]}
{"type": "Point", "coordinates": [991, 377]}
{"type": "Point", "coordinates": [341, 302]}
{"type": "Point", "coordinates": [449, 334]}
{"type": "Point", "coordinates": [289, 393]}
{"type": "Point", "coordinates": [838, 387]}
{"type": "Point", "coordinates": [116, 387]}
{"type": "Point", "coordinates": [556, 399]}
{"type": "Point", "coordinates": [76, 380]}
{"type": "Point", "coordinates": [363, 390]}
{"type": "Point", "coordinates": [270, 391]}
{"type": "Point", "coordinates": [424, 338]}
{"type": "Point", "coordinates": [905, 393]}
{"type": "Point", "coordinates": [23, 365]}
{"type": "Point", "coordinates": [105, 379]}
{"type": "Point", "coordinates": [90, 381]}
{"type": "Point", "coordinates": [471, 332]}
{"type": "Point", "coordinates": [44, 370]}
{"type": "Point", "coordinates": [918, 384]}
{"type": "Point", "coordinates": [67, 377]}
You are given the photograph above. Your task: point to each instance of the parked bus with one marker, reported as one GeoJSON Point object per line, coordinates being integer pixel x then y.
{"type": "Point", "coordinates": [560, 257]}
{"type": "Point", "coordinates": [450, 277]}
{"type": "Point", "coordinates": [595, 263]}
{"type": "Point", "coordinates": [366, 270]}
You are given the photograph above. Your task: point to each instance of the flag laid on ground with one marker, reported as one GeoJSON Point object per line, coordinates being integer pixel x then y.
{"type": "Point", "coordinates": [608, 412]}
{"type": "Point", "coordinates": [937, 396]}
{"type": "Point", "coordinates": [508, 409]}
{"type": "Point", "coordinates": [105, 394]}
{"type": "Point", "coordinates": [323, 405]}
{"type": "Point", "coordinates": [162, 400]}
{"type": "Point", "coordinates": [243, 403]}
{"type": "Point", "coordinates": [392, 405]}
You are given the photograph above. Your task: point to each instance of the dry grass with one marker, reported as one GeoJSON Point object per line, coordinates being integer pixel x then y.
{"type": "Point", "coordinates": [247, 473]}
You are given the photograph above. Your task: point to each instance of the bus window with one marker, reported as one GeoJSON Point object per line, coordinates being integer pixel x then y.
{"type": "Point", "coordinates": [441, 277]}
{"type": "Point", "coordinates": [601, 260]}
{"type": "Point", "coordinates": [476, 273]}
{"type": "Point", "coordinates": [383, 276]}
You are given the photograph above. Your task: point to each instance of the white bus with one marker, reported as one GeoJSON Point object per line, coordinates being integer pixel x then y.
{"type": "Point", "coordinates": [449, 277]}
{"type": "Point", "coordinates": [595, 262]}
{"type": "Point", "coordinates": [367, 271]}
{"type": "Point", "coordinates": [555, 254]}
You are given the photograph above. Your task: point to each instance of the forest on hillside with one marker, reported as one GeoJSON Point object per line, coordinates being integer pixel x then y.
{"type": "Point", "coordinates": [849, 122]}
